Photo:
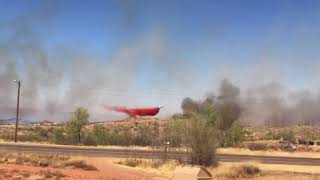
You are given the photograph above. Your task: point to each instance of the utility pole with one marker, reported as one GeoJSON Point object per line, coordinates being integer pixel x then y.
{"type": "Point", "coordinates": [17, 115]}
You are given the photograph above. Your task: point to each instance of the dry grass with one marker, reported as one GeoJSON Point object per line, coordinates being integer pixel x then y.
{"type": "Point", "coordinates": [267, 171]}
{"type": "Point", "coordinates": [246, 170]}
{"type": "Point", "coordinates": [290, 168]}
{"type": "Point", "coordinates": [44, 160]}
{"type": "Point", "coordinates": [47, 175]}
{"type": "Point", "coordinates": [156, 166]}
{"type": "Point", "coordinates": [287, 176]}
{"type": "Point", "coordinates": [251, 170]}
{"type": "Point", "coordinates": [79, 164]}
{"type": "Point", "coordinates": [242, 151]}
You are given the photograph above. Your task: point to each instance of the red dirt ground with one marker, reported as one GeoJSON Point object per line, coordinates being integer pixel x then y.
{"type": "Point", "coordinates": [106, 171]}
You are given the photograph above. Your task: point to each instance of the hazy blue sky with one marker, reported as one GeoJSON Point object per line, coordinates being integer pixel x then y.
{"type": "Point", "coordinates": [175, 48]}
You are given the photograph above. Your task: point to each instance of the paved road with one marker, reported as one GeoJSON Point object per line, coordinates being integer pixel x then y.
{"type": "Point", "coordinates": [132, 153]}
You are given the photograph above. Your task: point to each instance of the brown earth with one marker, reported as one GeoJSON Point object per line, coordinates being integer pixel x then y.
{"type": "Point", "coordinates": [106, 170]}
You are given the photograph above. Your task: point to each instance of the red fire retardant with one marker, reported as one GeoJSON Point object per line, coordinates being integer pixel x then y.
{"type": "Point", "coordinates": [134, 112]}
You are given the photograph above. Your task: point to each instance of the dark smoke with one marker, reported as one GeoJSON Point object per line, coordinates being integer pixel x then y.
{"type": "Point", "coordinates": [272, 104]}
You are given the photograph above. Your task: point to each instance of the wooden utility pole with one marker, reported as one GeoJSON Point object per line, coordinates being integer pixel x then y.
{"type": "Point", "coordinates": [17, 116]}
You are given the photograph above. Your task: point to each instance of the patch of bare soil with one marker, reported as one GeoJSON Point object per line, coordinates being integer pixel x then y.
{"type": "Point", "coordinates": [106, 171]}
{"type": "Point", "coordinates": [112, 171]}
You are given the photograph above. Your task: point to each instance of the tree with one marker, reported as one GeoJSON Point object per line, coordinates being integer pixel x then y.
{"type": "Point", "coordinates": [201, 138]}
{"type": "Point", "coordinates": [58, 136]}
{"type": "Point", "coordinates": [175, 132]}
{"type": "Point", "coordinates": [76, 123]}
{"type": "Point", "coordinates": [208, 123]}
{"type": "Point", "coordinates": [233, 136]}
{"type": "Point", "coordinates": [101, 134]}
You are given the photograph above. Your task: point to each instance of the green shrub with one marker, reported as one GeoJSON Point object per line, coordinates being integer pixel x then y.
{"type": "Point", "coordinates": [75, 124]}
{"type": "Point", "coordinates": [233, 136]}
{"type": "Point", "coordinates": [256, 146]}
{"type": "Point", "coordinates": [89, 140]}
{"type": "Point", "coordinates": [269, 136]}
{"type": "Point", "coordinates": [287, 135]}
{"type": "Point", "coordinates": [58, 136]}
{"type": "Point", "coordinates": [101, 135]}
{"type": "Point", "coordinates": [31, 137]}
{"type": "Point", "coordinates": [201, 137]}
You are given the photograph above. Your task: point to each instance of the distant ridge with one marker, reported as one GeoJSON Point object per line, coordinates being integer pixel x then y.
{"type": "Point", "coordinates": [12, 121]}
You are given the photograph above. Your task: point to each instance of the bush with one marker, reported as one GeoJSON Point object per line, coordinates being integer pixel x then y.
{"type": "Point", "coordinates": [241, 171]}
{"type": "Point", "coordinates": [7, 136]}
{"type": "Point", "coordinates": [131, 162]}
{"type": "Point", "coordinates": [174, 132]}
{"type": "Point", "coordinates": [233, 136]}
{"type": "Point", "coordinates": [44, 160]}
{"type": "Point", "coordinates": [89, 140]}
{"type": "Point", "coordinates": [49, 175]}
{"type": "Point", "coordinates": [201, 137]}
{"type": "Point", "coordinates": [31, 137]}
{"type": "Point", "coordinates": [76, 123]}
{"type": "Point", "coordinates": [287, 135]}
{"type": "Point", "coordinates": [58, 136]}
{"type": "Point", "coordinates": [245, 171]}
{"type": "Point", "coordinates": [155, 164]}
{"type": "Point", "coordinates": [269, 136]}
{"type": "Point", "coordinates": [101, 135]}
{"type": "Point", "coordinates": [80, 165]}
{"type": "Point", "coordinates": [256, 146]}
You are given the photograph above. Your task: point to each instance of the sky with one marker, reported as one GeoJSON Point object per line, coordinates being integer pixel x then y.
{"type": "Point", "coordinates": [154, 53]}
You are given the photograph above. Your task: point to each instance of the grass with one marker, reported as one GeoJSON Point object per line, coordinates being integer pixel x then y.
{"type": "Point", "coordinates": [131, 162]}
{"type": "Point", "coordinates": [244, 151]}
{"type": "Point", "coordinates": [235, 171]}
{"type": "Point", "coordinates": [250, 170]}
{"type": "Point", "coordinates": [47, 175]}
{"type": "Point", "coordinates": [80, 164]}
{"type": "Point", "coordinates": [267, 171]}
{"type": "Point", "coordinates": [44, 160]}
{"type": "Point", "coordinates": [246, 170]}
{"type": "Point", "coordinates": [165, 168]}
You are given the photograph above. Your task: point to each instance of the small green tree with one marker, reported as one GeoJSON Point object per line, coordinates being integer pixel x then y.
{"type": "Point", "coordinates": [175, 132]}
{"type": "Point", "coordinates": [76, 123]}
{"type": "Point", "coordinates": [287, 135]}
{"type": "Point", "coordinates": [101, 134]}
{"type": "Point", "coordinates": [58, 136]}
{"type": "Point", "coordinates": [234, 135]}
{"type": "Point", "coordinates": [201, 138]}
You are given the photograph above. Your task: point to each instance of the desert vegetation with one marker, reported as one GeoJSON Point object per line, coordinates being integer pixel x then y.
{"type": "Point", "coordinates": [226, 171]}
{"type": "Point", "coordinates": [246, 170]}
{"type": "Point", "coordinates": [21, 174]}
{"type": "Point", "coordinates": [44, 160]}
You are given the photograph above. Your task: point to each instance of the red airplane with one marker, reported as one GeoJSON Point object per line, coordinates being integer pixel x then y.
{"type": "Point", "coordinates": [134, 112]}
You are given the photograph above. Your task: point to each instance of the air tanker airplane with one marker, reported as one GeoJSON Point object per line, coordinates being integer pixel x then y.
{"type": "Point", "coordinates": [134, 112]}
